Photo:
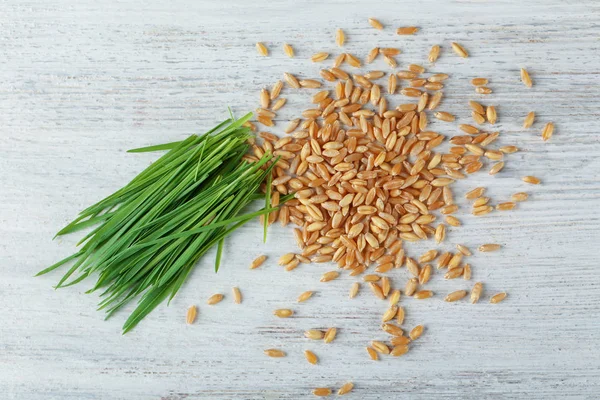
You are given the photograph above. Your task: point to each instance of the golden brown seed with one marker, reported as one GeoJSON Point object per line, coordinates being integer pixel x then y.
{"type": "Point", "coordinates": [509, 149]}
{"type": "Point", "coordinates": [288, 50]}
{"type": "Point", "coordinates": [479, 81]}
{"type": "Point", "coordinates": [400, 350]}
{"type": "Point", "coordinates": [291, 80]}
{"type": "Point", "coordinates": [428, 256]}
{"type": "Point", "coordinates": [354, 289]}
{"type": "Point", "coordinates": [371, 278]}
{"type": "Point", "coordinates": [496, 168]}
{"type": "Point", "coordinates": [478, 118]}
{"type": "Point", "coordinates": [305, 296]}
{"type": "Point", "coordinates": [400, 316]}
{"type": "Point", "coordinates": [425, 274]}
{"type": "Point", "coordinates": [372, 353]}
{"type": "Point", "coordinates": [416, 332]}
{"type": "Point", "coordinates": [407, 30]}
{"type": "Point", "coordinates": [330, 335]}
{"type": "Point", "coordinates": [458, 49]}
{"type": "Point", "coordinates": [314, 334]}
{"type": "Point", "coordinates": [491, 115]}
{"type": "Point", "coordinates": [531, 179]}
{"type": "Point", "coordinates": [352, 60]}
{"type": "Point", "coordinates": [399, 341]}
{"type": "Point", "coordinates": [440, 233]}
{"type": "Point", "coordinates": [258, 261]}
{"type": "Point", "coordinates": [328, 276]}
{"type": "Point", "coordinates": [475, 106]}
{"type": "Point", "coordinates": [508, 205]}
{"type": "Point", "coordinates": [346, 388]}
{"type": "Point", "coordinates": [464, 250]}
{"type": "Point", "coordinates": [380, 347]}
{"type": "Point", "coordinates": [483, 90]}
{"type": "Point", "coordinates": [452, 220]}
{"type": "Point", "coordinates": [276, 353]}
{"type": "Point", "coordinates": [434, 53]}
{"type": "Point", "coordinates": [497, 298]}
{"type": "Point", "coordinates": [392, 329]}
{"type": "Point", "coordinates": [322, 392]}
{"type": "Point", "coordinates": [283, 313]}
{"type": "Point", "coordinates": [214, 299]}
{"type": "Point", "coordinates": [526, 78]}
{"type": "Point", "coordinates": [521, 196]}
{"type": "Point", "coordinates": [444, 116]}
{"type": "Point", "coordinates": [475, 193]}
{"type": "Point", "coordinates": [311, 357]}
{"type": "Point", "coordinates": [394, 297]}
{"type": "Point", "coordinates": [434, 101]}
{"type": "Point", "coordinates": [529, 120]}
{"type": "Point", "coordinates": [385, 282]}
{"type": "Point", "coordinates": [284, 259]}
{"type": "Point", "coordinates": [455, 296]}
{"type": "Point", "coordinates": [262, 49]}
{"type": "Point", "coordinates": [318, 57]}
{"type": "Point", "coordinates": [411, 286]}
{"type": "Point", "coordinates": [191, 315]}
{"type": "Point", "coordinates": [390, 313]}
{"type": "Point", "coordinates": [423, 294]}
{"type": "Point", "coordinates": [372, 55]}
{"type": "Point", "coordinates": [237, 295]}
{"type": "Point", "coordinates": [489, 247]}
{"type": "Point", "coordinates": [340, 37]}
{"type": "Point", "coordinates": [476, 292]}
{"type": "Point", "coordinates": [377, 291]}
{"type": "Point", "coordinates": [454, 273]}
{"type": "Point", "coordinates": [548, 131]}
{"type": "Point", "coordinates": [467, 272]}
{"type": "Point", "coordinates": [375, 23]}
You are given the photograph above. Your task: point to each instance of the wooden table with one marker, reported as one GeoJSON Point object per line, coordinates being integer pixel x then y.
{"type": "Point", "coordinates": [83, 81]}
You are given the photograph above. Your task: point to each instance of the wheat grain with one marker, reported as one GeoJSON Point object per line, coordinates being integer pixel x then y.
{"type": "Point", "coordinates": [444, 116]}
{"type": "Point", "coordinates": [531, 179]}
{"type": "Point", "coordinates": [526, 78]}
{"type": "Point", "coordinates": [434, 53]}
{"type": "Point", "coordinates": [548, 131]}
{"type": "Point", "coordinates": [423, 294]}
{"type": "Point", "coordinates": [283, 313]}
{"type": "Point", "coordinates": [416, 332]}
{"type": "Point", "coordinates": [489, 247]}
{"type": "Point", "coordinates": [375, 23]}
{"type": "Point", "coordinates": [411, 286]}
{"type": "Point", "coordinates": [483, 90]}
{"type": "Point", "coordinates": [491, 114]}
{"type": "Point", "coordinates": [399, 341]}
{"type": "Point", "coordinates": [528, 122]}
{"type": "Point", "coordinates": [458, 49]}
{"type": "Point", "coordinates": [319, 57]}
{"type": "Point", "coordinates": [380, 347]}
{"type": "Point", "coordinates": [497, 298]}
{"type": "Point", "coordinates": [305, 296]}
{"type": "Point", "coordinates": [275, 353]}
{"type": "Point", "coordinates": [377, 291]}
{"type": "Point", "coordinates": [354, 290]}
{"type": "Point", "coordinates": [311, 357]}
{"type": "Point", "coordinates": [476, 292]}
{"type": "Point", "coordinates": [464, 250]}
{"type": "Point", "coordinates": [237, 295]}
{"type": "Point", "coordinates": [508, 205]}
{"type": "Point", "coordinates": [372, 353]}
{"type": "Point", "coordinates": [394, 297]}
{"type": "Point", "coordinates": [340, 37]}
{"type": "Point", "coordinates": [262, 49]}
{"type": "Point", "coordinates": [467, 272]}
{"type": "Point", "coordinates": [353, 60]}
{"type": "Point", "coordinates": [288, 50]}
{"type": "Point", "coordinates": [479, 81]}
{"type": "Point", "coordinates": [330, 335]}
{"type": "Point", "coordinates": [314, 334]}
{"type": "Point", "coordinates": [214, 299]}
{"type": "Point", "coordinates": [191, 315]}
{"type": "Point", "coordinates": [392, 329]}
{"type": "Point", "coordinates": [496, 168]}
{"type": "Point", "coordinates": [390, 313]}
{"type": "Point", "coordinates": [345, 389]}
{"type": "Point", "coordinates": [322, 392]}
{"type": "Point", "coordinates": [291, 80]}
{"type": "Point", "coordinates": [521, 196]}
{"type": "Point", "coordinates": [455, 296]}
{"type": "Point", "coordinates": [407, 30]}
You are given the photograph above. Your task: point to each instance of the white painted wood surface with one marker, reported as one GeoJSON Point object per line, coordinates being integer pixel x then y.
{"type": "Point", "coordinates": [82, 81]}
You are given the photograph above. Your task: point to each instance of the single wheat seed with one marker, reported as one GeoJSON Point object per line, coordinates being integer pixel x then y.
{"type": "Point", "coordinates": [497, 298]}
{"type": "Point", "coordinates": [262, 49]}
{"type": "Point", "coordinates": [275, 353]}
{"type": "Point", "coordinates": [526, 78]}
{"type": "Point", "coordinates": [214, 299]}
{"type": "Point", "coordinates": [489, 247]}
{"type": "Point", "coordinates": [191, 315]}
{"type": "Point", "coordinates": [346, 388]}
{"type": "Point", "coordinates": [458, 49]}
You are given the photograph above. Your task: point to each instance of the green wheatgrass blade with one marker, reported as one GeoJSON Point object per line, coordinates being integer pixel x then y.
{"type": "Point", "coordinates": [152, 232]}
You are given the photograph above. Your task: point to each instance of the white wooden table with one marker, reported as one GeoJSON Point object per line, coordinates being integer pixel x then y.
{"type": "Point", "coordinates": [83, 81]}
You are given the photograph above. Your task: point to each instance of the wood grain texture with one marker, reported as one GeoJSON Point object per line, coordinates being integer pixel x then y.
{"type": "Point", "coordinates": [82, 81]}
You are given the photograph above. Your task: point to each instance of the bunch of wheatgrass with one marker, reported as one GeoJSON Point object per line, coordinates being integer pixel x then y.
{"type": "Point", "coordinates": [149, 235]}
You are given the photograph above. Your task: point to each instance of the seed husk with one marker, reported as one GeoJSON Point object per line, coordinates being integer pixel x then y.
{"type": "Point", "coordinates": [262, 49]}
{"type": "Point", "coordinates": [526, 78]}
{"type": "Point", "coordinates": [489, 247]}
{"type": "Point", "coordinates": [214, 299]}
{"type": "Point", "coordinates": [497, 298]}
{"type": "Point", "coordinates": [191, 315]}
{"type": "Point", "coordinates": [416, 332]}
{"type": "Point", "coordinates": [346, 388]}
{"type": "Point", "coordinates": [455, 296]}
{"type": "Point", "coordinates": [311, 357]}
{"type": "Point", "coordinates": [275, 353]}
